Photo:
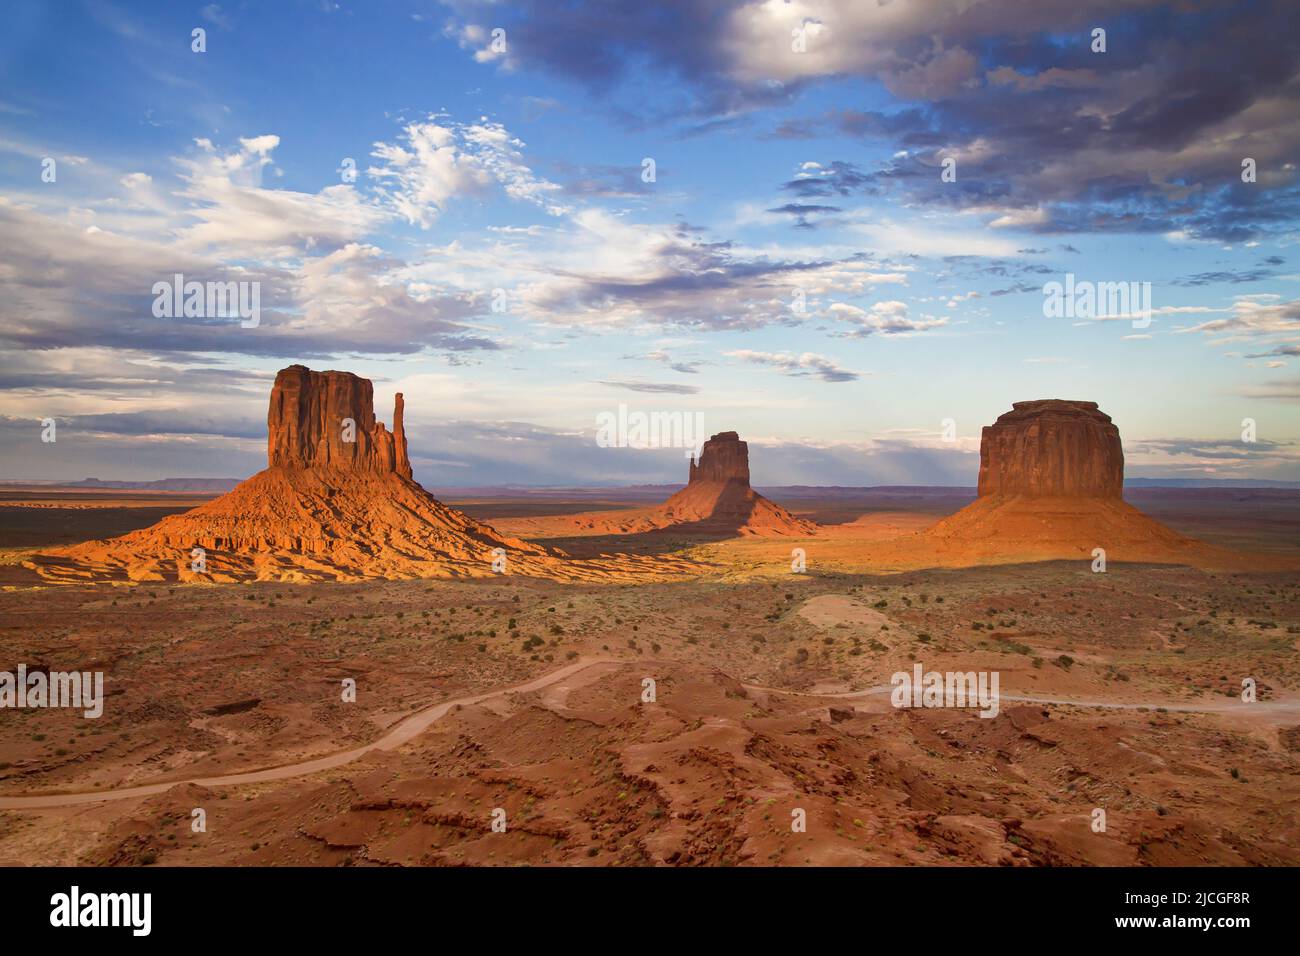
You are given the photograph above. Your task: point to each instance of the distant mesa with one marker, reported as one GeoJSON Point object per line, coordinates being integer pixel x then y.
{"type": "Point", "coordinates": [191, 485]}
{"type": "Point", "coordinates": [336, 502]}
{"type": "Point", "coordinates": [1051, 486]}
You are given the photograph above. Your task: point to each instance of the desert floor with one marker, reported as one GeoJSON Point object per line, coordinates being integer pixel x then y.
{"type": "Point", "coordinates": [1120, 692]}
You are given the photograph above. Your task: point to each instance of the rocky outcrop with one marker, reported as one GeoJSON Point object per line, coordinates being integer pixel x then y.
{"type": "Point", "coordinates": [1050, 488]}
{"type": "Point", "coordinates": [327, 419]}
{"type": "Point", "coordinates": [717, 502]}
{"type": "Point", "coordinates": [337, 502]}
{"type": "Point", "coordinates": [724, 457]}
{"type": "Point", "coordinates": [718, 499]}
{"type": "Point", "coordinates": [1052, 449]}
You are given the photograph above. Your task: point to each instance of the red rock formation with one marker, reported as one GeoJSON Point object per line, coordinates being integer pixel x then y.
{"type": "Point", "coordinates": [724, 457]}
{"type": "Point", "coordinates": [328, 419]}
{"type": "Point", "coordinates": [717, 500]}
{"type": "Point", "coordinates": [1051, 486]}
{"type": "Point", "coordinates": [325, 508]}
{"type": "Point", "coordinates": [1052, 449]}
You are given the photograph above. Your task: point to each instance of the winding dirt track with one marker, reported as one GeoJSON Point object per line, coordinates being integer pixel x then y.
{"type": "Point", "coordinates": [404, 730]}
{"type": "Point", "coordinates": [415, 723]}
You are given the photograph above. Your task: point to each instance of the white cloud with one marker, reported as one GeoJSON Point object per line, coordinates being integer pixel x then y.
{"type": "Point", "coordinates": [238, 217]}
{"type": "Point", "coordinates": [431, 164]}
{"type": "Point", "coordinates": [888, 317]}
{"type": "Point", "coordinates": [1253, 316]}
{"type": "Point", "coordinates": [896, 239]}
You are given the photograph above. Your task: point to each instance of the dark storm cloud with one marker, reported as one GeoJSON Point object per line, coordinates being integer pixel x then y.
{"type": "Point", "coordinates": [1148, 136]}
{"type": "Point", "coordinates": [604, 44]}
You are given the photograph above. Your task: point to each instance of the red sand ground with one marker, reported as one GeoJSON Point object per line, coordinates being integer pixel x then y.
{"type": "Point", "coordinates": [752, 665]}
{"type": "Point", "coordinates": [320, 524]}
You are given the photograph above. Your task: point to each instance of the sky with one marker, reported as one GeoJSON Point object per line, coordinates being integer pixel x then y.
{"type": "Point", "coordinates": [827, 225]}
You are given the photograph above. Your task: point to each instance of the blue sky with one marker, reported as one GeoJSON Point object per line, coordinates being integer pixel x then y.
{"type": "Point", "coordinates": [517, 169]}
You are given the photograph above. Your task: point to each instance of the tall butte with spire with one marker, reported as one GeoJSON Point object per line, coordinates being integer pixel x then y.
{"type": "Point", "coordinates": [327, 420]}
{"type": "Point", "coordinates": [336, 502]}
{"type": "Point", "coordinates": [717, 500]}
{"type": "Point", "coordinates": [718, 497]}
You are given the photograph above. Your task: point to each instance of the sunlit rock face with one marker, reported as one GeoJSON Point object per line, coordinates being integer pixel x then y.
{"type": "Point", "coordinates": [724, 457]}
{"type": "Point", "coordinates": [1052, 448]}
{"type": "Point", "coordinates": [308, 424]}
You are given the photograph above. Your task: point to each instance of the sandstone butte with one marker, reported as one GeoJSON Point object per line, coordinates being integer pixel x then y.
{"type": "Point", "coordinates": [1051, 485]}
{"type": "Point", "coordinates": [336, 502]}
{"type": "Point", "coordinates": [329, 508]}
{"type": "Point", "coordinates": [717, 500]}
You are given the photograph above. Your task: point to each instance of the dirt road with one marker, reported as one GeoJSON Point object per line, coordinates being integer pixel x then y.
{"type": "Point", "coordinates": [417, 722]}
